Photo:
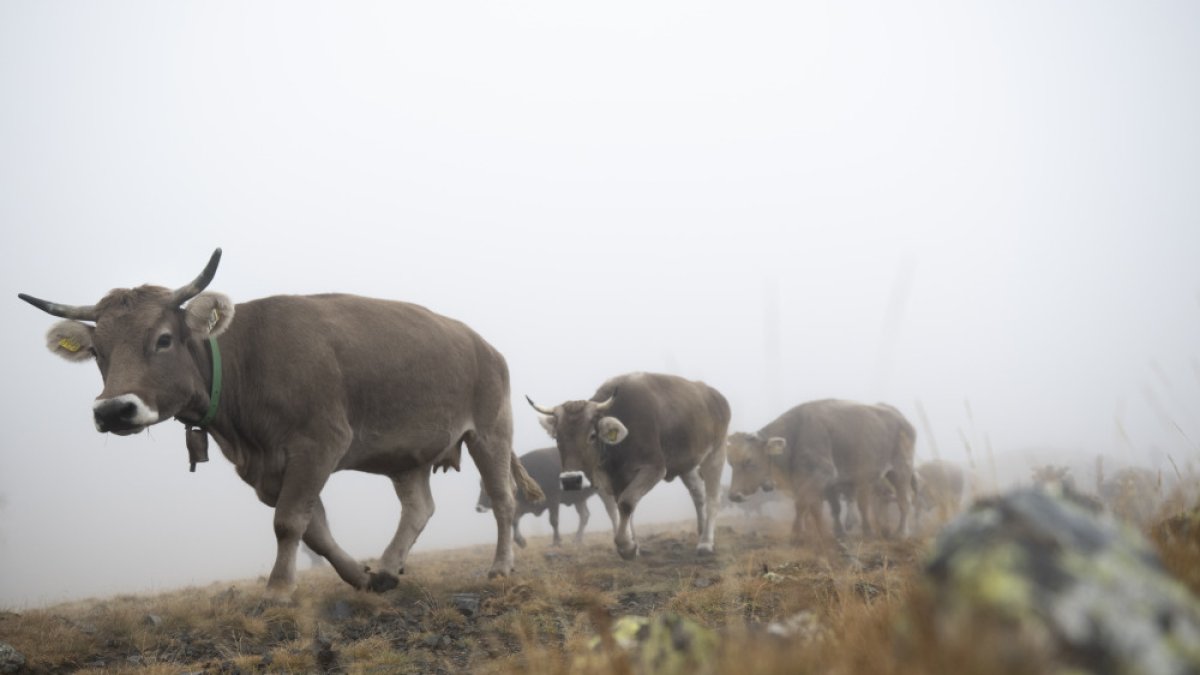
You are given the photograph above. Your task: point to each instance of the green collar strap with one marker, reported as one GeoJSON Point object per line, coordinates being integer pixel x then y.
{"type": "Point", "coordinates": [214, 396]}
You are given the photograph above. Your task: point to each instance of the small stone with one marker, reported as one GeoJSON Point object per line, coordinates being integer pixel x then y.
{"type": "Point", "coordinates": [466, 603]}
{"type": "Point", "coordinates": [152, 620]}
{"type": "Point", "coordinates": [702, 582]}
{"type": "Point", "coordinates": [134, 660]}
{"type": "Point", "coordinates": [432, 640]}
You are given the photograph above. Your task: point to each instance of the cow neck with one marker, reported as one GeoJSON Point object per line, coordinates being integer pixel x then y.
{"type": "Point", "coordinates": [214, 390]}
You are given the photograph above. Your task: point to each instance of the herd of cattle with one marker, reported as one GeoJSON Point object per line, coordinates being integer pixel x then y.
{"type": "Point", "coordinates": [298, 387]}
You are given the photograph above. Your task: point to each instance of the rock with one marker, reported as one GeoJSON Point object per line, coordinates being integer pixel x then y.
{"type": "Point", "coordinates": [1066, 582]}
{"type": "Point", "coordinates": [432, 640]}
{"type": "Point", "coordinates": [152, 620]}
{"type": "Point", "coordinates": [802, 626]}
{"type": "Point", "coordinates": [466, 603]}
{"type": "Point", "coordinates": [11, 660]}
{"type": "Point", "coordinates": [666, 644]}
{"type": "Point", "coordinates": [134, 660]}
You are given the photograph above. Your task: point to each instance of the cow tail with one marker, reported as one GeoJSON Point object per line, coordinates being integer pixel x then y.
{"type": "Point", "coordinates": [528, 486]}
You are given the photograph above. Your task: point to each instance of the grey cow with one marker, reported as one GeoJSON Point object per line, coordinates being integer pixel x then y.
{"type": "Point", "coordinates": [309, 385]}
{"type": "Point", "coordinates": [637, 430]}
{"type": "Point", "coordinates": [822, 449]}
{"type": "Point", "coordinates": [544, 466]}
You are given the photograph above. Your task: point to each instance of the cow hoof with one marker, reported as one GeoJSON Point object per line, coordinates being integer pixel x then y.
{"type": "Point", "coordinates": [705, 551]}
{"type": "Point", "coordinates": [382, 582]}
{"type": "Point", "coordinates": [519, 542]}
{"type": "Point", "coordinates": [498, 573]}
{"type": "Point", "coordinates": [629, 553]}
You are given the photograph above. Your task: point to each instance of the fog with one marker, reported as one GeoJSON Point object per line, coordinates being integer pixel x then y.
{"type": "Point", "coordinates": [986, 212]}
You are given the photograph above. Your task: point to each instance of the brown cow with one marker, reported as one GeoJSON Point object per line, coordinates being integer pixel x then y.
{"type": "Point", "coordinates": [819, 449]}
{"type": "Point", "coordinates": [309, 385]}
{"type": "Point", "coordinates": [636, 430]}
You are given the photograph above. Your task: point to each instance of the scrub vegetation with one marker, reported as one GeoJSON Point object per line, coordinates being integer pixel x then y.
{"type": "Point", "coordinates": [760, 605]}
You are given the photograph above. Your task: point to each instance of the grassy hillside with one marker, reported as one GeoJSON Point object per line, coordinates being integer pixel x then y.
{"type": "Point", "coordinates": [856, 609]}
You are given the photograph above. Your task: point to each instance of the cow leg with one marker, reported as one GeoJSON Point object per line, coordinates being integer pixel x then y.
{"type": "Point", "coordinates": [610, 507]}
{"type": "Point", "coordinates": [299, 492]}
{"type": "Point", "coordinates": [646, 478]}
{"type": "Point", "coordinates": [863, 492]}
{"type": "Point", "coordinates": [320, 540]}
{"type": "Point", "coordinates": [518, 538]}
{"type": "Point", "coordinates": [492, 456]}
{"type": "Point", "coordinates": [833, 496]}
{"type": "Point", "coordinates": [416, 508]}
{"type": "Point", "coordinates": [900, 480]}
{"type": "Point", "coordinates": [710, 472]}
{"type": "Point", "coordinates": [695, 487]}
{"type": "Point", "coordinates": [554, 523]}
{"type": "Point", "coordinates": [581, 508]}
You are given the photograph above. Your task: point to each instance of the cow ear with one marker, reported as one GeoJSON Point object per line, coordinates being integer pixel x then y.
{"type": "Point", "coordinates": [550, 424]}
{"type": "Point", "coordinates": [209, 314]}
{"type": "Point", "coordinates": [776, 446]}
{"type": "Point", "coordinates": [611, 431]}
{"type": "Point", "coordinates": [71, 340]}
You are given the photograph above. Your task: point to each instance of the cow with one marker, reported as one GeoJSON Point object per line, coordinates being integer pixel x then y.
{"type": "Point", "coordinates": [294, 388]}
{"type": "Point", "coordinates": [639, 429]}
{"type": "Point", "coordinates": [544, 466]}
{"type": "Point", "coordinates": [819, 450]}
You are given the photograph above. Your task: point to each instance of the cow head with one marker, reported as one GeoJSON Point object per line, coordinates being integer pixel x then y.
{"type": "Point", "coordinates": [148, 346]}
{"type": "Point", "coordinates": [582, 430]}
{"type": "Point", "coordinates": [750, 458]}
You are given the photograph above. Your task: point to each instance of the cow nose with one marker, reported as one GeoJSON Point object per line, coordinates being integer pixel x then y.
{"type": "Point", "coordinates": [114, 414]}
{"type": "Point", "coordinates": [768, 487]}
{"type": "Point", "coordinates": [572, 481]}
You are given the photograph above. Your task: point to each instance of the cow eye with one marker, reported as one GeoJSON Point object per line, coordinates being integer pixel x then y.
{"type": "Point", "coordinates": [164, 341]}
{"type": "Point", "coordinates": [592, 435]}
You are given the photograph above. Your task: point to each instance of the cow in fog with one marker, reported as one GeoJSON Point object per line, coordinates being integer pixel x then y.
{"type": "Point", "coordinates": [637, 430]}
{"type": "Point", "coordinates": [294, 388]}
{"type": "Point", "coordinates": [822, 449]}
{"type": "Point", "coordinates": [544, 467]}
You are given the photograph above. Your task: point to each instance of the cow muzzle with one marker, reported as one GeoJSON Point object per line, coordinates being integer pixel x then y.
{"type": "Point", "coordinates": [768, 487]}
{"type": "Point", "coordinates": [573, 480]}
{"type": "Point", "coordinates": [123, 415]}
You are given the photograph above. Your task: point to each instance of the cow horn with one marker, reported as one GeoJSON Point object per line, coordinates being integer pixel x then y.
{"type": "Point", "coordinates": [193, 289]}
{"type": "Point", "coordinates": [604, 405]}
{"type": "Point", "coordinates": [541, 409]}
{"type": "Point", "coordinates": [78, 313]}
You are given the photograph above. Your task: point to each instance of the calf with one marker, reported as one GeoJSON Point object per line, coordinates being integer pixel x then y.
{"type": "Point", "coordinates": [544, 467]}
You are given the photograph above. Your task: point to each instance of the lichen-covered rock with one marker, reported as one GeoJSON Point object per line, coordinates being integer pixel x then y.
{"type": "Point", "coordinates": [11, 660]}
{"type": "Point", "coordinates": [1071, 583]}
{"type": "Point", "coordinates": [666, 644]}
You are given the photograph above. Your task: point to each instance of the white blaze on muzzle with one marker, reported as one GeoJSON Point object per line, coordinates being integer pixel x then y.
{"type": "Point", "coordinates": [569, 478]}
{"type": "Point", "coordinates": [122, 413]}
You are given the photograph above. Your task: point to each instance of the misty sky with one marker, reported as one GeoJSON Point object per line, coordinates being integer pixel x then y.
{"type": "Point", "coordinates": [992, 209]}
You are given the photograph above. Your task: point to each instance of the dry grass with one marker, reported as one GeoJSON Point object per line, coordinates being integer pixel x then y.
{"type": "Point", "coordinates": [865, 608]}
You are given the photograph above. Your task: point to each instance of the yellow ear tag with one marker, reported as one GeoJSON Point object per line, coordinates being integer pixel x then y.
{"type": "Point", "coordinates": [212, 321]}
{"type": "Point", "coordinates": [70, 345]}
{"type": "Point", "coordinates": [612, 435]}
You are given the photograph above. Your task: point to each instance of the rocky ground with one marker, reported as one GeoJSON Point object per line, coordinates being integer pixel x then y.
{"type": "Point", "coordinates": [760, 605]}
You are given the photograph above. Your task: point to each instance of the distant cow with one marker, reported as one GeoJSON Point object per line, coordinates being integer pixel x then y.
{"type": "Point", "coordinates": [940, 487]}
{"type": "Point", "coordinates": [544, 466]}
{"type": "Point", "coordinates": [750, 505]}
{"type": "Point", "coordinates": [820, 449]}
{"type": "Point", "coordinates": [637, 430]}
{"type": "Point", "coordinates": [294, 388]}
